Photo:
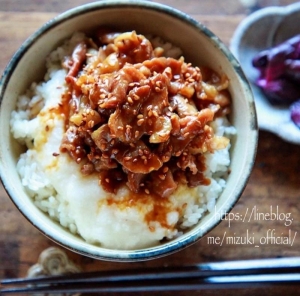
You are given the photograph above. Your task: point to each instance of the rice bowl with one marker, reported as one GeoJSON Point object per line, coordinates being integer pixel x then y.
{"type": "Point", "coordinates": [65, 194]}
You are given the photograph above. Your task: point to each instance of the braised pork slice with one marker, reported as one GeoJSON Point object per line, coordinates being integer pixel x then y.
{"type": "Point", "coordinates": [140, 119]}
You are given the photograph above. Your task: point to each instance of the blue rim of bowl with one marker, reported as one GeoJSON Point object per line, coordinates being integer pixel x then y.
{"type": "Point", "coordinates": [172, 246]}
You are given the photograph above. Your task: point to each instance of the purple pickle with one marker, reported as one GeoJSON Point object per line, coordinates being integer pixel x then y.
{"type": "Point", "coordinates": [295, 113]}
{"type": "Point", "coordinates": [279, 69]}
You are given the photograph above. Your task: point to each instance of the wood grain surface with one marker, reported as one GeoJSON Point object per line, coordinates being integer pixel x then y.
{"type": "Point", "coordinates": [272, 190]}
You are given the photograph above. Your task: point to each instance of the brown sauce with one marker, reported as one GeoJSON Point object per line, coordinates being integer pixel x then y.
{"type": "Point", "coordinates": [158, 208]}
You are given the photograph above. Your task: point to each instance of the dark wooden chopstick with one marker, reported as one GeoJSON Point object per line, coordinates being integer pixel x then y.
{"type": "Point", "coordinates": [241, 267]}
{"type": "Point", "coordinates": [230, 274]}
{"type": "Point", "coordinates": [165, 285]}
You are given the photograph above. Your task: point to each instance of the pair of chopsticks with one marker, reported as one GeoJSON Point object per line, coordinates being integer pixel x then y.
{"type": "Point", "coordinates": [228, 274]}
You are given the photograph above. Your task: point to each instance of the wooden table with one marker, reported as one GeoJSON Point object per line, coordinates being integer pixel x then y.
{"type": "Point", "coordinates": [273, 186]}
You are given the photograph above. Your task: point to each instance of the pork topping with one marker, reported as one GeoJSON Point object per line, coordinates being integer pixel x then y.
{"type": "Point", "coordinates": [141, 119]}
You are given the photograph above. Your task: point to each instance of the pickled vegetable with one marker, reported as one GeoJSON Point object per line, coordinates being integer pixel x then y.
{"type": "Point", "coordinates": [279, 75]}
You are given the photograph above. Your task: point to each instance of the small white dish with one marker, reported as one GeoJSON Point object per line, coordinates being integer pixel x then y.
{"type": "Point", "coordinates": [261, 30]}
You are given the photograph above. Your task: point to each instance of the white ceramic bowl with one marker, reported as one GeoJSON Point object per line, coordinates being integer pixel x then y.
{"type": "Point", "coordinates": [261, 30]}
{"type": "Point", "coordinates": [199, 45]}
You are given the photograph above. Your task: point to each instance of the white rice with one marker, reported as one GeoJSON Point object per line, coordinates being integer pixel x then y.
{"type": "Point", "coordinates": [77, 202]}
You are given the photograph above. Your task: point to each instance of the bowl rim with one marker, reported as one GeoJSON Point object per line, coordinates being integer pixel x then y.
{"type": "Point", "coordinates": [173, 245]}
